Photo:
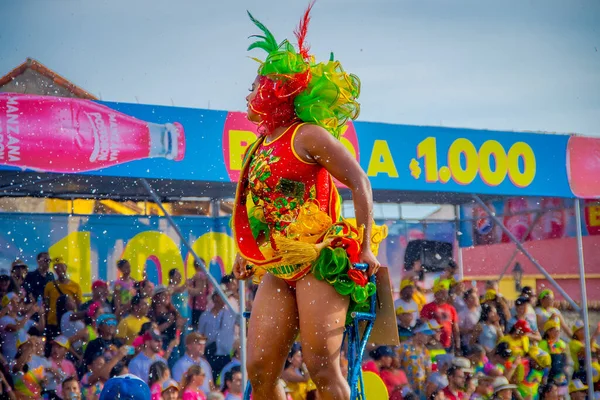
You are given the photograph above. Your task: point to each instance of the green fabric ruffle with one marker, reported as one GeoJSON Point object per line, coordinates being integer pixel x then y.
{"type": "Point", "coordinates": [332, 266]}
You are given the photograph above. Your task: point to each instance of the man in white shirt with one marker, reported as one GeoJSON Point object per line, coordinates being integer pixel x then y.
{"type": "Point", "coordinates": [407, 288]}
{"type": "Point", "coordinates": [194, 350]}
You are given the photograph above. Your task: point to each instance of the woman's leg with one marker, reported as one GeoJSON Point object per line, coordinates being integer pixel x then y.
{"type": "Point", "coordinates": [271, 333]}
{"type": "Point", "coordinates": [322, 314]}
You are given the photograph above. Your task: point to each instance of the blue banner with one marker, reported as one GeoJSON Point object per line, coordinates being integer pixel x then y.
{"type": "Point", "coordinates": [133, 140]}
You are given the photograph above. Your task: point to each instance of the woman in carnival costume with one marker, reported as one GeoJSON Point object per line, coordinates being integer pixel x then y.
{"type": "Point", "coordinates": [287, 222]}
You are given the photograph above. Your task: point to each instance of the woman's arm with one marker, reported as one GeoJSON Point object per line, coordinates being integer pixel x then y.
{"type": "Point", "coordinates": [290, 375]}
{"type": "Point", "coordinates": [314, 144]}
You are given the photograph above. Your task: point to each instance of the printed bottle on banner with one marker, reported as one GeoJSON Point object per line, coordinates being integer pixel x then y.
{"type": "Point", "coordinates": [55, 134]}
{"type": "Point", "coordinates": [484, 231]}
{"type": "Point", "coordinates": [552, 223]}
{"type": "Point", "coordinates": [516, 218]}
{"type": "Point", "coordinates": [583, 166]}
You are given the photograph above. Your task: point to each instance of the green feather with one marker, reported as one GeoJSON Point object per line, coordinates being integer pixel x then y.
{"type": "Point", "coordinates": [268, 42]}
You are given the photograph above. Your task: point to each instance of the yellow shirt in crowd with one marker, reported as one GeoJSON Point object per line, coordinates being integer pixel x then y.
{"type": "Point", "coordinates": [519, 346]}
{"type": "Point", "coordinates": [129, 328]}
{"type": "Point", "coordinates": [51, 294]}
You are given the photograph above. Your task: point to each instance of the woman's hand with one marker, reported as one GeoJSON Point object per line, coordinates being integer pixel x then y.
{"type": "Point", "coordinates": [367, 257]}
{"type": "Point", "coordinates": [240, 270]}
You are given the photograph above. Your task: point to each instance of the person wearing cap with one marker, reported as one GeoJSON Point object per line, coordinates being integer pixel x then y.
{"type": "Point", "coordinates": [406, 301]}
{"type": "Point", "coordinates": [577, 390]}
{"type": "Point", "coordinates": [170, 390]}
{"type": "Point", "coordinates": [438, 380]}
{"type": "Point", "coordinates": [140, 364]}
{"type": "Point", "coordinates": [195, 344]}
{"type": "Point", "coordinates": [445, 314]}
{"type": "Point", "coordinates": [493, 296]}
{"type": "Point", "coordinates": [577, 349]}
{"type": "Point", "coordinates": [415, 359]}
{"type": "Point", "coordinates": [130, 326]}
{"type": "Point", "coordinates": [60, 367]}
{"type": "Point", "coordinates": [125, 387]}
{"type": "Point", "coordinates": [18, 272]}
{"type": "Point", "coordinates": [555, 346]}
{"type": "Point", "coordinates": [404, 318]}
{"type": "Point", "coordinates": [517, 338]}
{"type": "Point", "coordinates": [106, 324]}
{"type": "Point", "coordinates": [36, 280]}
{"type": "Point", "coordinates": [539, 361]}
{"type": "Point", "coordinates": [502, 389]}
{"type": "Point", "coordinates": [545, 310]}
{"type": "Point", "coordinates": [100, 296]}
{"type": "Point", "coordinates": [456, 383]}
{"type": "Point", "coordinates": [521, 305]}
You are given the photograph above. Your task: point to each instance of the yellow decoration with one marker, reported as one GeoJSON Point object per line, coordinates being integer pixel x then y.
{"type": "Point", "coordinates": [374, 387]}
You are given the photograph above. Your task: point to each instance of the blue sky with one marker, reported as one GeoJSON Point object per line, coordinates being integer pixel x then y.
{"type": "Point", "coordinates": [508, 65]}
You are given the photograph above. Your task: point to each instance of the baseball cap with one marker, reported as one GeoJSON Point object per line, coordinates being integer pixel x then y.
{"type": "Point", "coordinates": [441, 285]}
{"type": "Point", "coordinates": [522, 325]}
{"type": "Point", "coordinates": [542, 358]}
{"type": "Point", "coordinates": [551, 323]}
{"type": "Point", "coordinates": [126, 387]}
{"type": "Point", "coordinates": [169, 383]}
{"type": "Point", "coordinates": [501, 383]}
{"type": "Point", "coordinates": [99, 284]}
{"type": "Point", "coordinates": [107, 319]}
{"type": "Point", "coordinates": [406, 283]}
{"type": "Point", "coordinates": [151, 335]}
{"type": "Point", "coordinates": [545, 293]}
{"type": "Point", "coordinates": [463, 364]}
{"type": "Point", "coordinates": [62, 341]}
{"type": "Point", "coordinates": [577, 386]}
{"type": "Point", "coordinates": [521, 300]}
{"type": "Point", "coordinates": [489, 295]}
{"type": "Point", "coordinates": [405, 310]}
{"type": "Point", "coordinates": [382, 351]}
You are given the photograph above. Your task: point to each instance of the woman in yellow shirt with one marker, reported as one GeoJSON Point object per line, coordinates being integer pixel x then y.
{"type": "Point", "coordinates": [295, 375]}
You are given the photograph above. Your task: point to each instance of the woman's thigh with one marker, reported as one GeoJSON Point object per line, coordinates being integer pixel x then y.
{"type": "Point", "coordinates": [273, 325]}
{"type": "Point", "coordinates": [322, 312]}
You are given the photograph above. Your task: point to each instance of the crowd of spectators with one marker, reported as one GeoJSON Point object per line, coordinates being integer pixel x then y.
{"type": "Point", "coordinates": [179, 339]}
{"type": "Point", "coordinates": [470, 345]}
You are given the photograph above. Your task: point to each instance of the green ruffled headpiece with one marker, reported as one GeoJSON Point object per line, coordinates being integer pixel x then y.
{"type": "Point", "coordinates": [323, 93]}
